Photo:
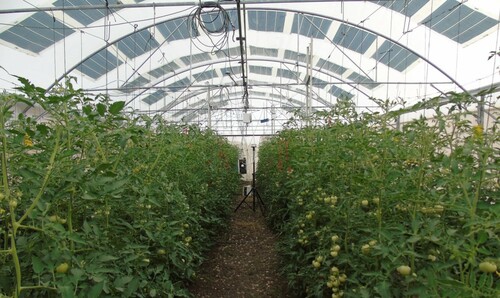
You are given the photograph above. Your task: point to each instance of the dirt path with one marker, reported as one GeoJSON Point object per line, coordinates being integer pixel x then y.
{"type": "Point", "coordinates": [244, 263]}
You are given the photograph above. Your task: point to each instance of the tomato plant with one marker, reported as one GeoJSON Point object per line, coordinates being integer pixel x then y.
{"type": "Point", "coordinates": [366, 210]}
{"type": "Point", "coordinates": [95, 201]}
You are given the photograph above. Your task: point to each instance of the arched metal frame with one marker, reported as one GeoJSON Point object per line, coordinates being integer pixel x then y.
{"type": "Point", "coordinates": [283, 61]}
{"type": "Point", "coordinates": [287, 88]}
{"type": "Point", "coordinates": [214, 62]}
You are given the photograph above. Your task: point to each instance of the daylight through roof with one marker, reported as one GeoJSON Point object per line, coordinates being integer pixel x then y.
{"type": "Point", "coordinates": [208, 63]}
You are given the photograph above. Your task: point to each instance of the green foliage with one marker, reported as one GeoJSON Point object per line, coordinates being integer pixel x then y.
{"type": "Point", "coordinates": [126, 205]}
{"type": "Point", "coordinates": [356, 199]}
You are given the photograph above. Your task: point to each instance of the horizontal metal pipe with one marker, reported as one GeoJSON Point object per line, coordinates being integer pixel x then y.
{"type": "Point", "coordinates": [260, 85]}
{"type": "Point", "coordinates": [155, 4]}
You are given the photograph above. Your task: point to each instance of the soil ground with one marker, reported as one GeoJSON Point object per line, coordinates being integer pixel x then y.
{"type": "Point", "coordinates": [244, 263]}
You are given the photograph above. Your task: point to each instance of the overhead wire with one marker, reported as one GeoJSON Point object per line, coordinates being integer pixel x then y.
{"type": "Point", "coordinates": [495, 56]}
{"type": "Point", "coordinates": [64, 37]}
{"type": "Point", "coordinates": [100, 26]}
{"type": "Point", "coordinates": [106, 36]}
{"type": "Point", "coordinates": [54, 40]}
{"type": "Point", "coordinates": [214, 21]}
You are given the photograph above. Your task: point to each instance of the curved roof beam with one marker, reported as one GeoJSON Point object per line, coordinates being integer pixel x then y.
{"type": "Point", "coordinates": [299, 12]}
{"type": "Point", "coordinates": [171, 105]}
{"type": "Point", "coordinates": [376, 33]}
{"type": "Point", "coordinates": [203, 108]}
{"type": "Point", "coordinates": [291, 11]}
{"type": "Point", "coordinates": [212, 62]}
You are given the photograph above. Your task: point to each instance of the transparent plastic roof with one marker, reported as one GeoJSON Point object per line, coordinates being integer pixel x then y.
{"type": "Point", "coordinates": [194, 60]}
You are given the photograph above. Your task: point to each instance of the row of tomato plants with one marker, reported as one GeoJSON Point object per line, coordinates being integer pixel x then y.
{"type": "Point", "coordinates": [366, 210]}
{"type": "Point", "coordinates": [95, 202]}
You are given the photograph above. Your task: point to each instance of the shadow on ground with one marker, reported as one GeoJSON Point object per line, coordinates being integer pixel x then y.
{"type": "Point", "coordinates": [244, 262]}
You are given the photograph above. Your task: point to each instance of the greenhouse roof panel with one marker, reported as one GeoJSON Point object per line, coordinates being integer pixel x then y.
{"type": "Point", "coordinates": [87, 16]}
{"type": "Point", "coordinates": [458, 22]}
{"type": "Point", "coordinates": [164, 69]}
{"type": "Point", "coordinates": [362, 80]}
{"type": "Point", "coordinates": [205, 76]}
{"type": "Point", "coordinates": [322, 63]}
{"type": "Point", "coordinates": [177, 29]}
{"type": "Point", "coordinates": [263, 51]}
{"type": "Point", "coordinates": [408, 7]}
{"type": "Point", "coordinates": [233, 52]}
{"type": "Point", "coordinates": [137, 44]}
{"type": "Point", "coordinates": [340, 93]}
{"type": "Point", "coordinates": [37, 32]}
{"type": "Point", "coordinates": [292, 55]}
{"type": "Point", "coordinates": [99, 64]}
{"type": "Point", "coordinates": [270, 21]}
{"type": "Point", "coordinates": [216, 21]}
{"type": "Point", "coordinates": [196, 58]}
{"type": "Point", "coordinates": [179, 85]}
{"type": "Point", "coordinates": [263, 70]}
{"type": "Point", "coordinates": [286, 73]}
{"type": "Point", "coordinates": [310, 26]}
{"type": "Point", "coordinates": [154, 97]}
{"type": "Point", "coordinates": [137, 82]}
{"type": "Point", "coordinates": [317, 82]}
{"type": "Point", "coordinates": [233, 70]}
{"type": "Point", "coordinates": [353, 38]}
{"type": "Point", "coordinates": [394, 56]}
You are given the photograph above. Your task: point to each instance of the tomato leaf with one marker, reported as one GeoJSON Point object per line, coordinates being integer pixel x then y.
{"type": "Point", "coordinates": [116, 107]}
{"type": "Point", "coordinates": [107, 258]}
{"type": "Point", "coordinates": [101, 109]}
{"type": "Point", "coordinates": [66, 291]}
{"type": "Point", "coordinates": [96, 290]}
{"type": "Point", "coordinates": [37, 265]}
{"type": "Point", "coordinates": [132, 287]}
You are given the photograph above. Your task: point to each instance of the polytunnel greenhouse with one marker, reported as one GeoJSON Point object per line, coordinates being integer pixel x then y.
{"type": "Point", "coordinates": [250, 148]}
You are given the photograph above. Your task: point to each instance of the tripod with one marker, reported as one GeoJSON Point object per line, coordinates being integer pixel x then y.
{"type": "Point", "coordinates": [256, 199]}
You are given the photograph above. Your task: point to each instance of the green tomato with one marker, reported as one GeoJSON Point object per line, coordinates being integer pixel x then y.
{"type": "Point", "coordinates": [13, 204]}
{"type": "Point", "coordinates": [404, 270]}
{"type": "Point", "coordinates": [62, 268]}
{"type": "Point", "coordinates": [316, 264]}
{"type": "Point", "coordinates": [487, 267]}
{"type": "Point", "coordinates": [365, 249]}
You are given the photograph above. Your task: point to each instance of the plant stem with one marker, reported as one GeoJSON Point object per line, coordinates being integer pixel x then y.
{"type": "Point", "coordinates": [70, 221]}
{"type": "Point", "coordinates": [5, 182]}
{"type": "Point", "coordinates": [15, 259]}
{"type": "Point", "coordinates": [29, 228]}
{"type": "Point", "coordinates": [38, 287]}
{"type": "Point", "coordinates": [50, 167]}
{"type": "Point", "coordinates": [5, 186]}
{"type": "Point", "coordinates": [99, 148]}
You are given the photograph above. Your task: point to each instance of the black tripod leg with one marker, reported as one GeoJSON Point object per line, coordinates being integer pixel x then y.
{"type": "Point", "coordinates": [262, 206]}
{"type": "Point", "coordinates": [243, 201]}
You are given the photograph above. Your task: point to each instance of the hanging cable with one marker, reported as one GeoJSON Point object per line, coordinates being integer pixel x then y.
{"type": "Point", "coordinates": [64, 38]}
{"type": "Point", "coordinates": [107, 33]}
{"type": "Point", "coordinates": [494, 56]}
{"type": "Point", "coordinates": [389, 58]}
{"type": "Point", "coordinates": [458, 39]}
{"type": "Point", "coordinates": [214, 21]}
{"type": "Point", "coordinates": [54, 40]}
{"type": "Point", "coordinates": [81, 58]}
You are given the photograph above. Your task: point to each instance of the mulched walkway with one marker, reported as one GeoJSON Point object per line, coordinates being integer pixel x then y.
{"type": "Point", "coordinates": [244, 263]}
